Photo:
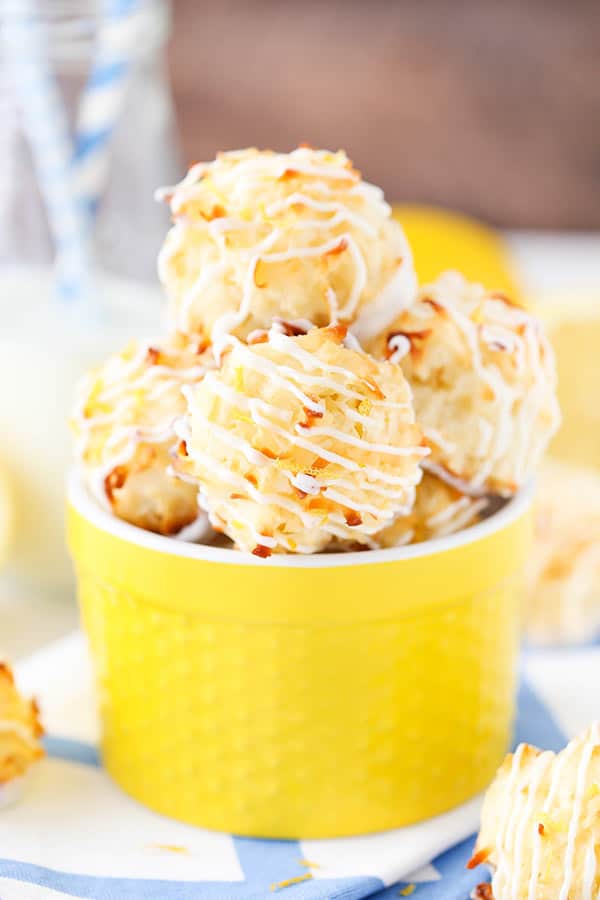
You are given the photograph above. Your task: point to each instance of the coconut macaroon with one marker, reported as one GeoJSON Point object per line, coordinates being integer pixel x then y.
{"type": "Point", "coordinates": [298, 441]}
{"type": "Point", "coordinates": [123, 426]}
{"type": "Point", "coordinates": [483, 380]}
{"type": "Point", "coordinates": [540, 823]}
{"type": "Point", "coordinates": [563, 571]}
{"type": "Point", "coordinates": [20, 731]}
{"type": "Point", "coordinates": [297, 235]}
{"type": "Point", "coordinates": [440, 509]}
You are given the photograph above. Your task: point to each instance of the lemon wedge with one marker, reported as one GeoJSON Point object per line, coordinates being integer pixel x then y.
{"type": "Point", "coordinates": [573, 325]}
{"type": "Point", "coordinates": [442, 240]}
{"type": "Point", "coordinates": [6, 514]}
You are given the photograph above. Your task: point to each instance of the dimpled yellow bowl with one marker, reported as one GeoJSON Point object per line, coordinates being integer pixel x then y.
{"type": "Point", "coordinates": [297, 696]}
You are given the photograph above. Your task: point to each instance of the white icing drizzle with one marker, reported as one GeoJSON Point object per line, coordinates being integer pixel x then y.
{"type": "Point", "coordinates": [340, 211]}
{"type": "Point", "coordinates": [460, 484]}
{"type": "Point", "coordinates": [519, 823]}
{"type": "Point", "coordinates": [540, 768]}
{"type": "Point", "coordinates": [449, 512]}
{"type": "Point", "coordinates": [592, 742]}
{"type": "Point", "coordinates": [394, 490]}
{"type": "Point", "coordinates": [24, 734]}
{"type": "Point", "coordinates": [227, 322]}
{"type": "Point", "coordinates": [236, 176]}
{"type": "Point", "coordinates": [209, 273]}
{"type": "Point", "coordinates": [345, 438]}
{"type": "Point", "coordinates": [559, 765]}
{"type": "Point", "coordinates": [435, 436]}
{"type": "Point", "coordinates": [517, 436]}
{"type": "Point", "coordinates": [396, 296]}
{"type": "Point", "coordinates": [306, 483]}
{"type": "Point", "coordinates": [500, 875]}
{"type": "Point", "coordinates": [120, 381]}
{"type": "Point", "coordinates": [589, 870]}
{"type": "Point", "coordinates": [464, 516]}
{"type": "Point", "coordinates": [399, 344]}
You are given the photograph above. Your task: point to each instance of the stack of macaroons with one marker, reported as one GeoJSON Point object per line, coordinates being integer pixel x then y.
{"type": "Point", "coordinates": [307, 384]}
{"type": "Point", "coordinates": [20, 733]}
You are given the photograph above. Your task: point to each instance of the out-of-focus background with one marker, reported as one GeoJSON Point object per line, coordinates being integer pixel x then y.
{"type": "Point", "coordinates": [487, 106]}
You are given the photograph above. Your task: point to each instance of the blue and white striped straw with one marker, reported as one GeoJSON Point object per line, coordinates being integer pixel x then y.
{"type": "Point", "coordinates": [46, 126]}
{"type": "Point", "coordinates": [73, 175]}
{"type": "Point", "coordinates": [103, 99]}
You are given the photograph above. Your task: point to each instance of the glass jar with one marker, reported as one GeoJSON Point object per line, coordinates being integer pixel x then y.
{"type": "Point", "coordinates": [86, 135]}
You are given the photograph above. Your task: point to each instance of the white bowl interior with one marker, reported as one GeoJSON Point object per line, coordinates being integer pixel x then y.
{"type": "Point", "coordinates": [87, 506]}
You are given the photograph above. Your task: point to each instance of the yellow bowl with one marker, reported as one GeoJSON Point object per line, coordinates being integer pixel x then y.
{"type": "Point", "coordinates": [301, 696]}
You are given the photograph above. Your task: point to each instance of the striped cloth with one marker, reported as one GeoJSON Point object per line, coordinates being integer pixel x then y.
{"type": "Point", "coordinates": [74, 834]}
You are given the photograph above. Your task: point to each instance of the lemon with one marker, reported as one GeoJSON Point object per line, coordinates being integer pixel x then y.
{"type": "Point", "coordinates": [442, 240]}
{"type": "Point", "coordinates": [573, 325]}
{"type": "Point", "coordinates": [6, 514]}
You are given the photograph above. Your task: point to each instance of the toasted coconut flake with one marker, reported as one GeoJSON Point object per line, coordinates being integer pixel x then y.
{"type": "Point", "coordinates": [482, 892]}
{"type": "Point", "coordinates": [260, 336]}
{"type": "Point", "coordinates": [291, 329]}
{"type": "Point", "coordinates": [478, 858]}
{"type": "Point", "coordinates": [439, 309]}
{"type": "Point", "coordinates": [114, 481]}
{"type": "Point", "coordinates": [340, 247]}
{"type": "Point", "coordinates": [353, 518]}
{"type": "Point", "coordinates": [261, 551]}
{"type": "Point", "coordinates": [153, 355]}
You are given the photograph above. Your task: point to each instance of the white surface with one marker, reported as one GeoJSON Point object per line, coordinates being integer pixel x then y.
{"type": "Point", "coordinates": [404, 853]}
{"type": "Point", "coordinates": [52, 825]}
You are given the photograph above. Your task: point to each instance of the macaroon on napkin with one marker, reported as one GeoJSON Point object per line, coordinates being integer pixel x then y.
{"type": "Point", "coordinates": [73, 833]}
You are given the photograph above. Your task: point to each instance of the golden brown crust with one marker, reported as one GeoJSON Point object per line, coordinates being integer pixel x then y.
{"type": "Point", "coordinates": [300, 440]}
{"type": "Point", "coordinates": [540, 823]}
{"type": "Point", "coordinates": [482, 892]}
{"type": "Point", "coordinates": [483, 381]}
{"type": "Point", "coordinates": [20, 729]}
{"type": "Point", "coordinates": [124, 429]}
{"type": "Point", "coordinates": [297, 235]}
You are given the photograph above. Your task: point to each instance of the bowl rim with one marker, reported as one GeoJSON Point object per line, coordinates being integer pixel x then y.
{"type": "Point", "coordinates": [80, 499]}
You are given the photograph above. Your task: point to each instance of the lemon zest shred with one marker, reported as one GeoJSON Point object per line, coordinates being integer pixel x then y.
{"type": "Point", "coordinates": [279, 885]}
{"type": "Point", "coordinates": [172, 848]}
{"type": "Point", "coordinates": [408, 890]}
{"type": "Point", "coordinates": [477, 315]}
{"type": "Point", "coordinates": [241, 417]}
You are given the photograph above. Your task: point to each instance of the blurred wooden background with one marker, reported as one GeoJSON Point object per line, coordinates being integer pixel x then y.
{"type": "Point", "coordinates": [489, 106]}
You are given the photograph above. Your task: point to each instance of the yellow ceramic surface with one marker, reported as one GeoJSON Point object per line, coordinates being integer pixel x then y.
{"type": "Point", "coordinates": [442, 240]}
{"type": "Point", "coordinates": [301, 696]}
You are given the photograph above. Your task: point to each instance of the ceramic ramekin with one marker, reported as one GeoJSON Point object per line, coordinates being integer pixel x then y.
{"type": "Point", "coordinates": [298, 696]}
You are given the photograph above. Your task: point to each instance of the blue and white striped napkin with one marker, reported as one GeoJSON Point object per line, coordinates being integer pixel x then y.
{"type": "Point", "coordinates": [74, 834]}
